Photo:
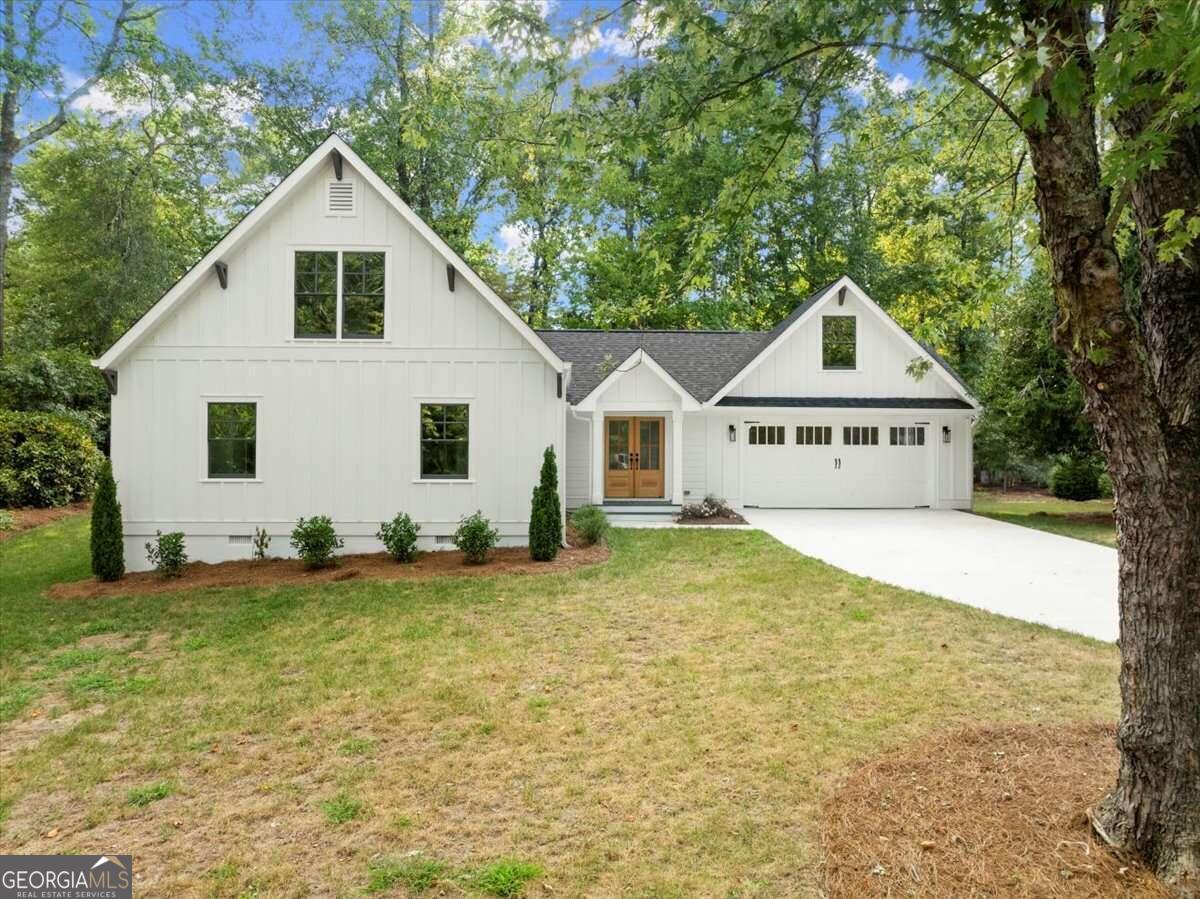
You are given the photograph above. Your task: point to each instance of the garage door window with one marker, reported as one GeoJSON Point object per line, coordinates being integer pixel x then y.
{"type": "Point", "coordinates": [814, 435]}
{"type": "Point", "coordinates": [867, 435]}
{"type": "Point", "coordinates": [906, 436]}
{"type": "Point", "coordinates": [766, 435]}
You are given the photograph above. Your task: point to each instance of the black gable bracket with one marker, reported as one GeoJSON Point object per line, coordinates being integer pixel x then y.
{"type": "Point", "coordinates": [450, 273]}
{"type": "Point", "coordinates": [222, 273]}
{"type": "Point", "coordinates": [110, 378]}
{"type": "Point", "coordinates": [560, 385]}
{"type": "Point", "coordinates": [842, 295]}
{"type": "Point", "coordinates": [337, 164]}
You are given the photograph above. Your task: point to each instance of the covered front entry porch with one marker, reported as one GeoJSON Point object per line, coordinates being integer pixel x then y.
{"type": "Point", "coordinates": [636, 446]}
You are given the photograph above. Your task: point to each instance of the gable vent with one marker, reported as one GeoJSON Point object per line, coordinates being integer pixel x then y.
{"type": "Point", "coordinates": [340, 198]}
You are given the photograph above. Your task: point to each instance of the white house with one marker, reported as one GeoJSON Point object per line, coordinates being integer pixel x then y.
{"type": "Point", "coordinates": [332, 355]}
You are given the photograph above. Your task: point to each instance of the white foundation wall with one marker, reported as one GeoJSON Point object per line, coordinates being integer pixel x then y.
{"type": "Point", "coordinates": [337, 421]}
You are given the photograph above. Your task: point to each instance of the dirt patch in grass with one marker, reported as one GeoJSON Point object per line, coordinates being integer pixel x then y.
{"type": "Point", "coordinates": [24, 519]}
{"type": "Point", "coordinates": [52, 716]}
{"type": "Point", "coordinates": [984, 812]}
{"type": "Point", "coordinates": [368, 566]}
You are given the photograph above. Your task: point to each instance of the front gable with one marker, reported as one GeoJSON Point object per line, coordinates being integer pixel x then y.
{"type": "Point", "coordinates": [791, 364]}
{"type": "Point", "coordinates": [638, 382]}
{"type": "Point", "coordinates": [433, 300]}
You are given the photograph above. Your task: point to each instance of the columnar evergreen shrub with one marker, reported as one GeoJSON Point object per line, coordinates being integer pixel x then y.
{"type": "Point", "coordinates": [167, 554]}
{"type": "Point", "coordinates": [315, 540]}
{"type": "Point", "coordinates": [108, 545]}
{"type": "Point", "coordinates": [45, 460]}
{"type": "Point", "coordinates": [399, 536]}
{"type": "Point", "coordinates": [1075, 477]}
{"type": "Point", "coordinates": [476, 538]}
{"type": "Point", "coordinates": [545, 517]}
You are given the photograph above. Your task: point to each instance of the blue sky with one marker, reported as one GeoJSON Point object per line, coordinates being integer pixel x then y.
{"type": "Point", "coordinates": [269, 31]}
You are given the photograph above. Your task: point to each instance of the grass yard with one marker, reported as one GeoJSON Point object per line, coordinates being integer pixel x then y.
{"type": "Point", "coordinates": [1089, 520]}
{"type": "Point", "coordinates": [665, 724]}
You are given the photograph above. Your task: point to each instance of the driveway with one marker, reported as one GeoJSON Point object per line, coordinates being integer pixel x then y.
{"type": "Point", "coordinates": [1003, 568]}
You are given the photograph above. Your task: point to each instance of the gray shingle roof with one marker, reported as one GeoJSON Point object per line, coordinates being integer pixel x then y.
{"type": "Point", "coordinates": [701, 361]}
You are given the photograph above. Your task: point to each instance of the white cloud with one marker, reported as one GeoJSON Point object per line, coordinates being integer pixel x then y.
{"type": "Point", "coordinates": [515, 239]}
{"type": "Point", "coordinates": [102, 102]}
{"type": "Point", "coordinates": [643, 34]}
{"type": "Point", "coordinates": [899, 83]}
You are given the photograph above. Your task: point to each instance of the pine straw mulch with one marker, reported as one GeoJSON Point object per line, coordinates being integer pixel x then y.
{"type": "Point", "coordinates": [365, 566]}
{"type": "Point", "coordinates": [988, 812]}
{"type": "Point", "coordinates": [27, 518]}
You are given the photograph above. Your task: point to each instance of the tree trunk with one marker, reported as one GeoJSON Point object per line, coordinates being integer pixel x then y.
{"type": "Point", "coordinates": [1138, 370]}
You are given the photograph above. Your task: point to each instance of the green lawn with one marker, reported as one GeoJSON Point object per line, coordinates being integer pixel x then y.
{"type": "Point", "coordinates": [1089, 520]}
{"type": "Point", "coordinates": [664, 724]}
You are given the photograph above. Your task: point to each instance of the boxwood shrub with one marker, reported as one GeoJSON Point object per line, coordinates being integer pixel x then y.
{"type": "Point", "coordinates": [45, 460]}
{"type": "Point", "coordinates": [315, 541]}
{"type": "Point", "coordinates": [476, 538]}
{"type": "Point", "coordinates": [166, 552]}
{"type": "Point", "coordinates": [400, 537]}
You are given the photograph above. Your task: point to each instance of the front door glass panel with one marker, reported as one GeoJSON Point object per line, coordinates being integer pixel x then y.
{"type": "Point", "coordinates": [650, 444]}
{"type": "Point", "coordinates": [618, 445]}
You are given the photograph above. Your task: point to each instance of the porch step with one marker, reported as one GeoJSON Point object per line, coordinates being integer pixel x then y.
{"type": "Point", "coordinates": [634, 512]}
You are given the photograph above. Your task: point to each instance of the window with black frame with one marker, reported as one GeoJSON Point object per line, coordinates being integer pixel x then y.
{"type": "Point", "coordinates": [329, 281]}
{"type": "Point", "coordinates": [316, 294]}
{"type": "Point", "coordinates": [362, 295]}
{"type": "Point", "coordinates": [232, 440]}
{"type": "Point", "coordinates": [839, 342]}
{"type": "Point", "coordinates": [445, 440]}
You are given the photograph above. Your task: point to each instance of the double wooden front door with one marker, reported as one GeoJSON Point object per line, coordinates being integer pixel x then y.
{"type": "Point", "coordinates": [633, 457]}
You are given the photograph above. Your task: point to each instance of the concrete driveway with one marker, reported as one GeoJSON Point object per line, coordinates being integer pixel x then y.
{"type": "Point", "coordinates": [1003, 568]}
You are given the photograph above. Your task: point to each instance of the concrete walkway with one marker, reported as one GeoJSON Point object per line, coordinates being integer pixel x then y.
{"type": "Point", "coordinates": [1020, 572]}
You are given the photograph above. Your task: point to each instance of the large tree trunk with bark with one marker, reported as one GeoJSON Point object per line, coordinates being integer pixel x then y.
{"type": "Point", "coordinates": [1140, 372]}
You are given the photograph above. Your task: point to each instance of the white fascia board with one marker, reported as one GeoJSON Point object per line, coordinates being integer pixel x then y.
{"type": "Point", "coordinates": [632, 361]}
{"type": "Point", "coordinates": [203, 268]}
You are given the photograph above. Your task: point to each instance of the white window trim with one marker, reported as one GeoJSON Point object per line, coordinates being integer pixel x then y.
{"type": "Point", "coordinates": [207, 399]}
{"type": "Point", "coordinates": [340, 249]}
{"type": "Point", "coordinates": [821, 355]}
{"type": "Point", "coordinates": [469, 402]}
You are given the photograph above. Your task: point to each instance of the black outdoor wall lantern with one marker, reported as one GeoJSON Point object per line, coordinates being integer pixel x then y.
{"type": "Point", "coordinates": [945, 433]}
{"type": "Point", "coordinates": [732, 434]}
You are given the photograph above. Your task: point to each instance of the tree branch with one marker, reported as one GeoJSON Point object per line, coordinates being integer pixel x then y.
{"type": "Point", "coordinates": [125, 16]}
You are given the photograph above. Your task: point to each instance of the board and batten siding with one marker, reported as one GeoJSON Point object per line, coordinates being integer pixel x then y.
{"type": "Point", "coordinates": [794, 368]}
{"type": "Point", "coordinates": [578, 460]}
{"type": "Point", "coordinates": [337, 423]}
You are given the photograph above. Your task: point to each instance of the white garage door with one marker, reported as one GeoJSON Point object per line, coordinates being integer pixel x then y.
{"type": "Point", "coordinates": [803, 463]}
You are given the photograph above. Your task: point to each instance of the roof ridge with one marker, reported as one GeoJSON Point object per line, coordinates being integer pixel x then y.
{"type": "Point", "coordinates": [646, 331]}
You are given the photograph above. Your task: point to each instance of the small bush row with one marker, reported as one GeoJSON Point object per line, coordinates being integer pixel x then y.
{"type": "Point", "coordinates": [712, 506]}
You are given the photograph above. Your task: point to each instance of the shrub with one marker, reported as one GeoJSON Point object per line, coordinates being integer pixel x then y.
{"type": "Point", "coordinates": [108, 544]}
{"type": "Point", "coordinates": [590, 523]}
{"type": "Point", "coordinates": [60, 381]}
{"type": "Point", "coordinates": [545, 518]}
{"type": "Point", "coordinates": [1075, 477]}
{"type": "Point", "coordinates": [400, 537]}
{"type": "Point", "coordinates": [315, 540]}
{"type": "Point", "coordinates": [710, 507]}
{"type": "Point", "coordinates": [1106, 485]}
{"type": "Point", "coordinates": [260, 544]}
{"type": "Point", "coordinates": [166, 553]}
{"type": "Point", "coordinates": [45, 460]}
{"type": "Point", "coordinates": [8, 521]}
{"type": "Point", "coordinates": [476, 538]}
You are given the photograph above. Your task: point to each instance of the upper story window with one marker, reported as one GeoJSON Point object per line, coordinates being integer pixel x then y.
{"type": "Point", "coordinates": [339, 294]}
{"type": "Point", "coordinates": [232, 440]}
{"type": "Point", "coordinates": [839, 342]}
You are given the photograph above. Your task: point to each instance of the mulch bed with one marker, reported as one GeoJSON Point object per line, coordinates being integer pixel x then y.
{"type": "Point", "coordinates": [989, 812]}
{"type": "Point", "coordinates": [731, 518]}
{"type": "Point", "coordinates": [367, 566]}
{"type": "Point", "coordinates": [33, 518]}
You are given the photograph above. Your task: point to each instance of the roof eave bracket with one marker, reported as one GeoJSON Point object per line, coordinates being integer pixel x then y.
{"type": "Point", "coordinates": [222, 270]}
{"type": "Point", "coordinates": [110, 379]}
{"type": "Point", "coordinates": [337, 164]}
